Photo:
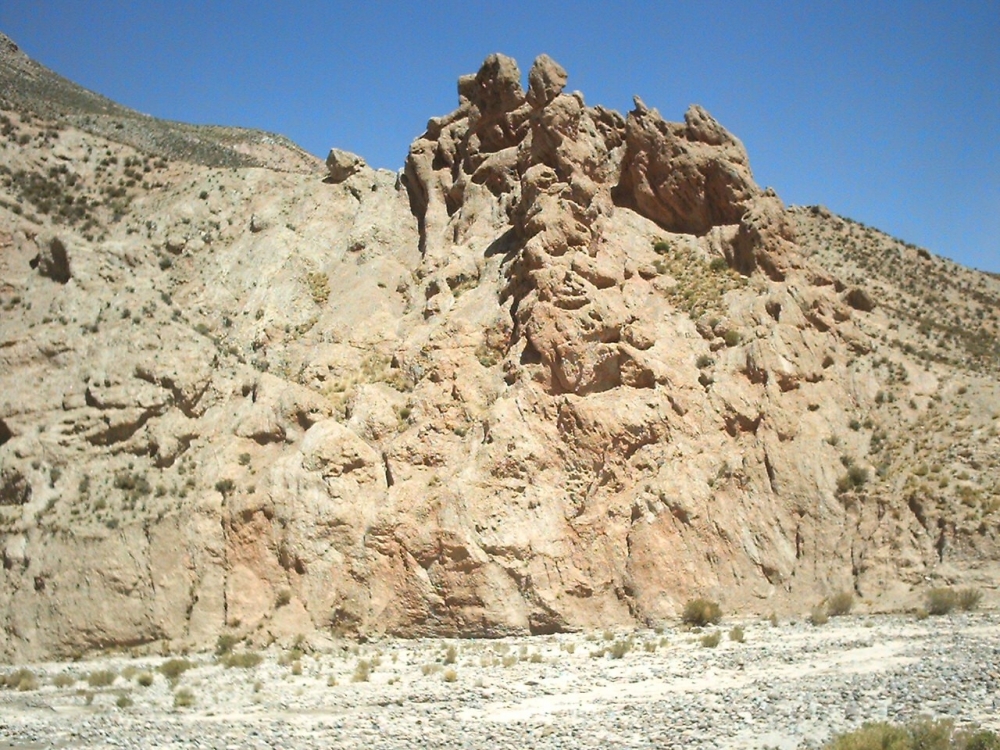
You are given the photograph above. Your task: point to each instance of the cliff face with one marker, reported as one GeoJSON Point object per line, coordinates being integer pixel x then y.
{"type": "Point", "coordinates": [567, 369]}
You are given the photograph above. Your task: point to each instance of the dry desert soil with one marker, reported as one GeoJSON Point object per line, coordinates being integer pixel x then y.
{"type": "Point", "coordinates": [788, 685]}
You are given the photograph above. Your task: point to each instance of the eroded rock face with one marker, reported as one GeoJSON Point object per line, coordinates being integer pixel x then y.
{"type": "Point", "coordinates": [688, 177]}
{"type": "Point", "coordinates": [555, 169]}
{"type": "Point", "coordinates": [568, 371]}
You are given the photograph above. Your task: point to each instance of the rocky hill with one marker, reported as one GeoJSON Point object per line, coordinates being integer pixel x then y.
{"type": "Point", "coordinates": [567, 369]}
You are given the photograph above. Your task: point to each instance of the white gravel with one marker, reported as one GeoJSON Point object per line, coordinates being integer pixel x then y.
{"type": "Point", "coordinates": [788, 686]}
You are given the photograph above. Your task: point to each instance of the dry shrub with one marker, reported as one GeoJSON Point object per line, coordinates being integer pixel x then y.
{"type": "Point", "coordinates": [923, 734]}
{"type": "Point", "coordinates": [840, 604]}
{"type": "Point", "coordinates": [701, 612]}
{"type": "Point", "coordinates": [968, 599]}
{"type": "Point", "coordinates": [941, 601]}
{"type": "Point", "coordinates": [172, 669]}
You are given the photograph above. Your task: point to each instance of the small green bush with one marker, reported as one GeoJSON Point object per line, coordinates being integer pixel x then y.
{"type": "Point", "coordinates": [224, 643]}
{"type": "Point", "coordinates": [924, 734]}
{"type": "Point", "coordinates": [184, 698]}
{"type": "Point", "coordinates": [711, 640]}
{"type": "Point", "coordinates": [244, 660]}
{"type": "Point", "coordinates": [319, 287]}
{"type": "Point", "coordinates": [982, 739]}
{"type": "Point", "coordinates": [619, 648]}
{"type": "Point", "coordinates": [124, 701]}
{"type": "Point", "coordinates": [736, 634]}
{"type": "Point", "coordinates": [872, 736]}
{"type": "Point", "coordinates": [856, 477]}
{"type": "Point", "coordinates": [840, 604]}
{"type": "Point", "coordinates": [225, 486]}
{"type": "Point", "coordinates": [23, 680]}
{"type": "Point", "coordinates": [701, 612]}
{"type": "Point", "coordinates": [929, 734]}
{"type": "Point", "coordinates": [941, 601]}
{"type": "Point", "coordinates": [362, 671]}
{"type": "Point", "coordinates": [101, 678]}
{"type": "Point", "coordinates": [662, 247]}
{"type": "Point", "coordinates": [819, 616]}
{"type": "Point", "coordinates": [145, 679]}
{"type": "Point", "coordinates": [172, 669]}
{"type": "Point", "coordinates": [63, 680]}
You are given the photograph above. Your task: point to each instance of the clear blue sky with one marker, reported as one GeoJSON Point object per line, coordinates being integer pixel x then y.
{"type": "Point", "coordinates": [887, 112]}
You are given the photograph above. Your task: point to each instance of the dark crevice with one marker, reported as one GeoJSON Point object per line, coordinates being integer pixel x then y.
{"type": "Point", "coordinates": [942, 541]}
{"type": "Point", "coordinates": [165, 461]}
{"type": "Point", "coordinates": [917, 509]}
{"type": "Point", "coordinates": [388, 471]}
{"type": "Point", "coordinates": [123, 431]}
{"type": "Point", "coordinates": [530, 355]}
{"type": "Point", "coordinates": [737, 423]}
{"type": "Point", "coordinates": [770, 473]}
{"type": "Point", "coordinates": [187, 404]}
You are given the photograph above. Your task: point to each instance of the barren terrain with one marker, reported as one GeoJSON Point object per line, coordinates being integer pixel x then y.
{"type": "Point", "coordinates": [786, 686]}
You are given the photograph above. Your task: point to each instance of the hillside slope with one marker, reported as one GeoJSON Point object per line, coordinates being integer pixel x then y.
{"type": "Point", "coordinates": [28, 87]}
{"type": "Point", "coordinates": [567, 369]}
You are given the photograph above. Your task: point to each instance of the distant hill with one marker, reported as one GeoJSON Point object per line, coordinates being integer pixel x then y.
{"type": "Point", "coordinates": [29, 87]}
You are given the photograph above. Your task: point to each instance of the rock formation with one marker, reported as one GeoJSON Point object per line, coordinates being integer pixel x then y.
{"type": "Point", "coordinates": [567, 370]}
{"type": "Point", "coordinates": [342, 164]}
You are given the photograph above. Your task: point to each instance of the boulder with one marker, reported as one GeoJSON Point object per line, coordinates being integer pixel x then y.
{"type": "Point", "coordinates": [546, 80]}
{"type": "Point", "coordinates": [342, 164]}
{"type": "Point", "coordinates": [52, 260]}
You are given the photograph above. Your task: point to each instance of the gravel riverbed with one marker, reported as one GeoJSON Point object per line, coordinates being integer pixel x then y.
{"type": "Point", "coordinates": [787, 686]}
